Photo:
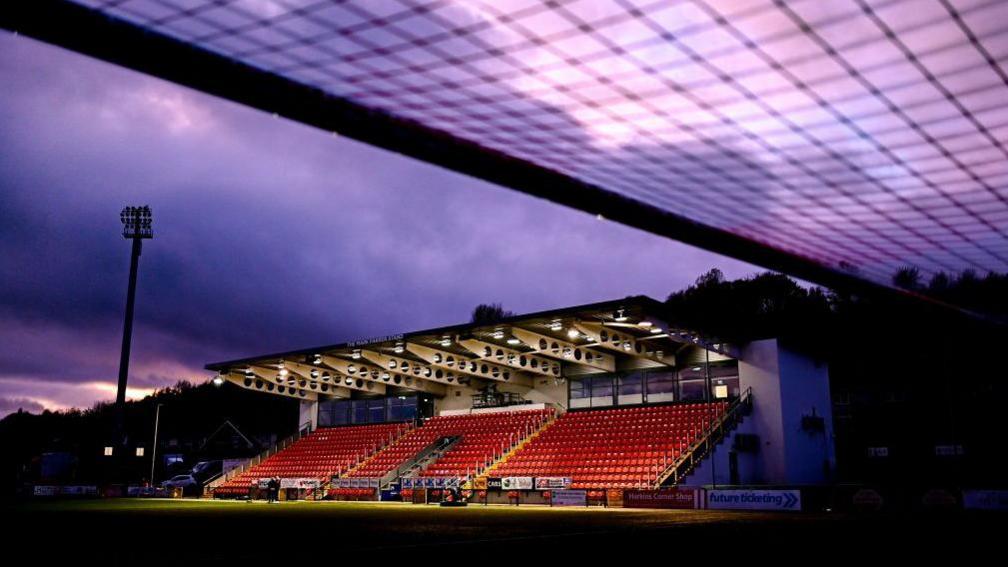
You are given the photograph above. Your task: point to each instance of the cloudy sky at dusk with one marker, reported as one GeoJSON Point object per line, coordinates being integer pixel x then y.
{"type": "Point", "coordinates": [269, 235]}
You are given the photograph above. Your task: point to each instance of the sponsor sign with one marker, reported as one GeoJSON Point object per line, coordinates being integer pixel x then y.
{"type": "Point", "coordinates": [550, 482]}
{"type": "Point", "coordinates": [878, 452]}
{"type": "Point", "coordinates": [263, 483]}
{"type": "Point", "coordinates": [77, 490]}
{"type": "Point", "coordinates": [867, 499]}
{"type": "Point", "coordinates": [938, 498]}
{"type": "Point", "coordinates": [299, 483]}
{"type": "Point", "coordinates": [480, 483]}
{"type": "Point", "coordinates": [985, 499]}
{"type": "Point", "coordinates": [570, 498]}
{"type": "Point", "coordinates": [671, 498]}
{"type": "Point", "coordinates": [375, 340]}
{"type": "Point", "coordinates": [46, 490]}
{"type": "Point", "coordinates": [785, 500]}
{"type": "Point", "coordinates": [494, 483]}
{"type": "Point", "coordinates": [517, 483]}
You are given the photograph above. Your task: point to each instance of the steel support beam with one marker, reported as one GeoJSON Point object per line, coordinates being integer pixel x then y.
{"type": "Point", "coordinates": [480, 368]}
{"type": "Point", "coordinates": [360, 371]}
{"type": "Point", "coordinates": [524, 362]}
{"type": "Point", "coordinates": [621, 341]}
{"type": "Point", "coordinates": [565, 351]}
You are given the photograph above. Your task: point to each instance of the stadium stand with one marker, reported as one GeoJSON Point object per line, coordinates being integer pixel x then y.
{"type": "Point", "coordinates": [612, 448]}
{"type": "Point", "coordinates": [320, 454]}
{"type": "Point", "coordinates": [484, 437]}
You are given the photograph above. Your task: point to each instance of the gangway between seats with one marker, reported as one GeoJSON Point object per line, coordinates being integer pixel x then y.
{"type": "Point", "coordinates": [422, 460]}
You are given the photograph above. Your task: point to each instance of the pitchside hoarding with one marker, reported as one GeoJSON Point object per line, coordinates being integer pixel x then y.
{"type": "Point", "coordinates": [672, 498]}
{"type": "Point", "coordinates": [552, 482]}
{"type": "Point", "coordinates": [517, 483]}
{"type": "Point", "coordinates": [985, 499]}
{"type": "Point", "coordinates": [570, 498]}
{"type": "Point", "coordinates": [306, 483]}
{"type": "Point", "coordinates": [781, 500]}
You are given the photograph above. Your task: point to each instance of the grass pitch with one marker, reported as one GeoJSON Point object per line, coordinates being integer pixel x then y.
{"type": "Point", "coordinates": [188, 532]}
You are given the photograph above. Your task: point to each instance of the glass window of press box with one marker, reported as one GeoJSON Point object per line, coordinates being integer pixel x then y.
{"type": "Point", "coordinates": [654, 386]}
{"type": "Point", "coordinates": [376, 410]}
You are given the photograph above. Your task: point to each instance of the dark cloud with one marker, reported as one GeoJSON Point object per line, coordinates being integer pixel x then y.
{"type": "Point", "coordinates": [268, 235]}
{"type": "Point", "coordinates": [12, 405]}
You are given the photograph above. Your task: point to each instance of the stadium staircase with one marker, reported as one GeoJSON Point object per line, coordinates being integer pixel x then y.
{"type": "Point", "coordinates": [718, 430]}
{"type": "Point", "coordinates": [421, 461]}
{"type": "Point", "coordinates": [483, 439]}
{"type": "Point", "coordinates": [503, 458]}
{"type": "Point", "coordinates": [619, 447]}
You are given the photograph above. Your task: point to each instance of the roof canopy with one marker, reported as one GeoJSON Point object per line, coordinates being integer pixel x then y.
{"type": "Point", "coordinates": [834, 140]}
{"type": "Point", "coordinates": [601, 337]}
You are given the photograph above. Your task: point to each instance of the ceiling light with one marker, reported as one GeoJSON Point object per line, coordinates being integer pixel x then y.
{"type": "Point", "coordinates": [348, 381]}
{"type": "Point", "coordinates": [218, 380]}
{"type": "Point", "coordinates": [695, 369]}
{"type": "Point", "coordinates": [446, 341]}
{"type": "Point", "coordinates": [385, 376]}
{"type": "Point", "coordinates": [399, 348]}
{"type": "Point", "coordinates": [498, 334]}
{"type": "Point", "coordinates": [656, 330]}
{"type": "Point", "coordinates": [573, 333]}
{"type": "Point", "coordinates": [283, 371]}
{"type": "Point", "coordinates": [627, 346]}
{"type": "Point", "coordinates": [555, 326]}
{"type": "Point", "coordinates": [645, 324]}
{"type": "Point", "coordinates": [355, 355]}
{"type": "Point", "coordinates": [351, 369]}
{"type": "Point", "coordinates": [513, 341]}
{"type": "Point", "coordinates": [314, 373]}
{"type": "Point", "coordinates": [620, 316]}
{"type": "Point", "coordinates": [317, 359]}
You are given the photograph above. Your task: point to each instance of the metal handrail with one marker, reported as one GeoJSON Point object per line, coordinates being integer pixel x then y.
{"type": "Point", "coordinates": [685, 462]}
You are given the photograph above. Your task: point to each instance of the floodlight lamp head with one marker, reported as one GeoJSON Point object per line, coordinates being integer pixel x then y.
{"type": "Point", "coordinates": [136, 222]}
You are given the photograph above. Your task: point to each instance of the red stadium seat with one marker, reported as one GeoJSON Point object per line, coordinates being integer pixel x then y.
{"type": "Point", "coordinates": [484, 438]}
{"type": "Point", "coordinates": [612, 448]}
{"type": "Point", "coordinates": [321, 454]}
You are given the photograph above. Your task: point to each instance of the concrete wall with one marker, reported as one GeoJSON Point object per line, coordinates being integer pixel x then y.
{"type": "Point", "coordinates": [759, 369]}
{"type": "Point", "coordinates": [785, 386]}
{"type": "Point", "coordinates": [308, 413]}
{"type": "Point", "coordinates": [809, 455]}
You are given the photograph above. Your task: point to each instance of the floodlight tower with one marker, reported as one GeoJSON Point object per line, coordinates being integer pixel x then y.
{"type": "Point", "coordinates": [136, 223]}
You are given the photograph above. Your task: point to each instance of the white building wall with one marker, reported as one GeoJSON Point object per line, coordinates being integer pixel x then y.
{"type": "Point", "coordinates": [308, 413]}
{"type": "Point", "coordinates": [810, 455]}
{"type": "Point", "coordinates": [785, 386]}
{"type": "Point", "coordinates": [759, 369]}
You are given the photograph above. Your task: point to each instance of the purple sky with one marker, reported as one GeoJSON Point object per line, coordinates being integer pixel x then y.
{"type": "Point", "coordinates": [269, 235]}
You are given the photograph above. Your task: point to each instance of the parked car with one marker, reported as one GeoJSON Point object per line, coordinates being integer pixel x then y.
{"type": "Point", "coordinates": [183, 481]}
